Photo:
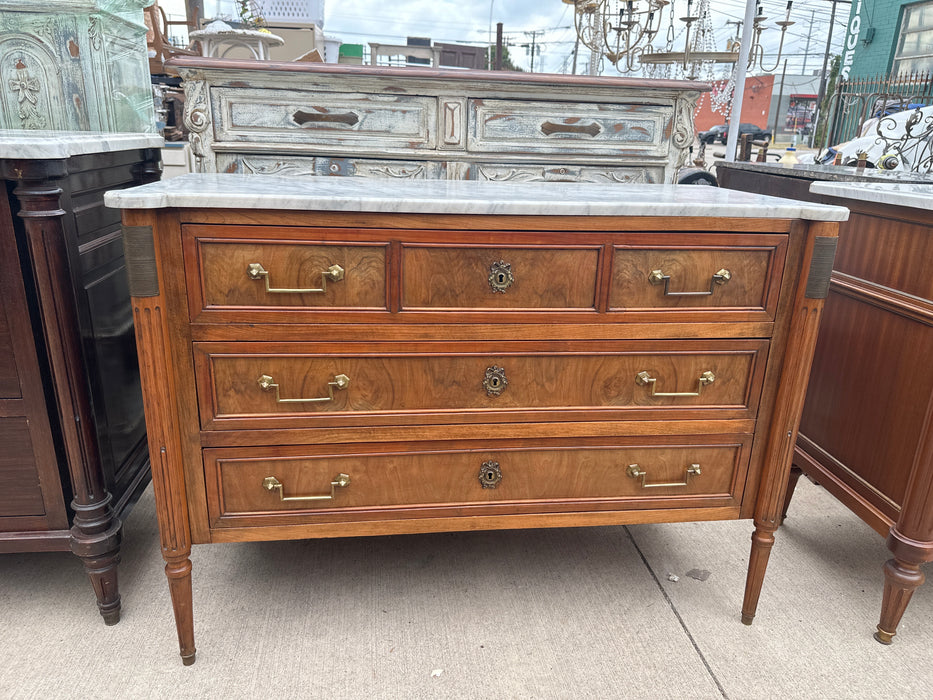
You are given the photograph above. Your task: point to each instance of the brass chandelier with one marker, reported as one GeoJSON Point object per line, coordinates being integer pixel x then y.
{"type": "Point", "coordinates": [623, 32]}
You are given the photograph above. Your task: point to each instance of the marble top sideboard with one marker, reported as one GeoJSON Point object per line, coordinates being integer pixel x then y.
{"type": "Point", "coordinates": [219, 190]}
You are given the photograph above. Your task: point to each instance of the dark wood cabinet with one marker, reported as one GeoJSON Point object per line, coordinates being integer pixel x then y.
{"type": "Point", "coordinates": [866, 433]}
{"type": "Point", "coordinates": [75, 455]}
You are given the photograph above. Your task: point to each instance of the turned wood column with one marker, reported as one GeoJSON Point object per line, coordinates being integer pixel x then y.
{"type": "Point", "coordinates": [95, 532]}
{"type": "Point", "coordinates": [809, 298]}
{"type": "Point", "coordinates": [911, 537]}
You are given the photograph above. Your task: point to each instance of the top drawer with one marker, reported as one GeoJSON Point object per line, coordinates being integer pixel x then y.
{"type": "Point", "coordinates": [369, 121]}
{"type": "Point", "coordinates": [569, 127]}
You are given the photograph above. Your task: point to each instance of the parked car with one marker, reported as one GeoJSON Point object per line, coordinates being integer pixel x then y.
{"type": "Point", "coordinates": [714, 134]}
{"type": "Point", "coordinates": [721, 133]}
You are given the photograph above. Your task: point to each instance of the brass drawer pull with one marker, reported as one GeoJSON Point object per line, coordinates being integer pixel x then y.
{"type": "Point", "coordinates": [657, 277]}
{"type": "Point", "coordinates": [341, 381]}
{"type": "Point", "coordinates": [500, 276]}
{"type": "Point", "coordinates": [645, 379]}
{"type": "Point", "coordinates": [636, 473]}
{"type": "Point", "coordinates": [270, 483]}
{"type": "Point", "coordinates": [334, 273]}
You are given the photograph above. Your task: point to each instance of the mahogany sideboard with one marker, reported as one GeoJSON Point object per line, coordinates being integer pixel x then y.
{"type": "Point", "coordinates": [71, 419]}
{"type": "Point", "coordinates": [330, 357]}
{"type": "Point", "coordinates": [866, 433]}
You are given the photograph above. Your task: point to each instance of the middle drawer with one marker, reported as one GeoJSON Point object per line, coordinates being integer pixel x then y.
{"type": "Point", "coordinates": [244, 385]}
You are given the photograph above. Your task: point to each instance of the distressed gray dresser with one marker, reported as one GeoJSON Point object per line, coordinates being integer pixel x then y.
{"type": "Point", "coordinates": [329, 119]}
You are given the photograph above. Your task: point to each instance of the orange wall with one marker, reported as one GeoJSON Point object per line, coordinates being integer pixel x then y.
{"type": "Point", "coordinates": [755, 106]}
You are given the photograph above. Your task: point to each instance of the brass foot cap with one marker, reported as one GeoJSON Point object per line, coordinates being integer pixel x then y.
{"type": "Point", "coordinates": [188, 660]}
{"type": "Point", "coordinates": [884, 637]}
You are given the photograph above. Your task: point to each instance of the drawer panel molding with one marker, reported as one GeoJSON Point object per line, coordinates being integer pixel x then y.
{"type": "Point", "coordinates": [305, 386]}
{"type": "Point", "coordinates": [248, 483]}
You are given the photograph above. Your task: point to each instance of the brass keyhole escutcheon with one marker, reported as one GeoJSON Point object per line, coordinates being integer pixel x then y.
{"type": "Point", "coordinates": [490, 475]}
{"type": "Point", "coordinates": [495, 382]}
{"type": "Point", "coordinates": [500, 276]}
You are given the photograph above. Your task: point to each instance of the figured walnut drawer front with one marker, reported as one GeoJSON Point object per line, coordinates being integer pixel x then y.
{"type": "Point", "coordinates": [568, 127]}
{"type": "Point", "coordinates": [656, 278]}
{"type": "Point", "coordinates": [307, 385]}
{"type": "Point", "coordinates": [401, 122]}
{"type": "Point", "coordinates": [244, 274]}
{"type": "Point", "coordinates": [461, 277]}
{"type": "Point", "coordinates": [252, 481]}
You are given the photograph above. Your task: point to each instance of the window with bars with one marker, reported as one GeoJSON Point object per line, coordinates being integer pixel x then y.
{"type": "Point", "coordinates": [915, 44]}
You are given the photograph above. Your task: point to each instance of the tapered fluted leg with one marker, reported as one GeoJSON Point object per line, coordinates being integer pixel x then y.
{"type": "Point", "coordinates": [762, 542]}
{"type": "Point", "coordinates": [900, 581]}
{"type": "Point", "coordinates": [179, 583]}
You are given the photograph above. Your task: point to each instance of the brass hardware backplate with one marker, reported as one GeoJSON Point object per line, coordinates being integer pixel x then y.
{"type": "Point", "coordinates": [500, 276]}
{"type": "Point", "coordinates": [637, 473]}
{"type": "Point", "coordinates": [490, 475]}
{"type": "Point", "coordinates": [645, 379]}
{"type": "Point", "coordinates": [495, 382]}
{"type": "Point", "coordinates": [657, 277]}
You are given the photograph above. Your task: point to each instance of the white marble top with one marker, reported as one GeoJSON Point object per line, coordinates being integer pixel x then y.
{"type": "Point", "coordinates": [903, 194]}
{"type": "Point", "coordinates": [234, 191]}
{"type": "Point", "coordinates": [47, 145]}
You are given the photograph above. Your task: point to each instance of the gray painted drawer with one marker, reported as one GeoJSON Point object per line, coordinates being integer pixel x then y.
{"type": "Point", "coordinates": [527, 126]}
{"type": "Point", "coordinates": [402, 122]}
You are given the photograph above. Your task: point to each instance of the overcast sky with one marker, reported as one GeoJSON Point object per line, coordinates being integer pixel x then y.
{"type": "Point", "coordinates": [359, 21]}
{"type": "Point", "coordinates": [470, 21]}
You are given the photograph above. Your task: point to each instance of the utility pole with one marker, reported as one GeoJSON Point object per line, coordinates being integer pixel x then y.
{"type": "Point", "coordinates": [823, 76]}
{"type": "Point", "coordinates": [576, 50]}
{"type": "Point", "coordinates": [806, 52]}
{"type": "Point", "coordinates": [499, 46]}
{"type": "Point", "coordinates": [738, 31]}
{"type": "Point", "coordinates": [534, 48]}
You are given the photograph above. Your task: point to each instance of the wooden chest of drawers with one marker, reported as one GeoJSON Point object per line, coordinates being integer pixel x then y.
{"type": "Point", "coordinates": [383, 359]}
{"type": "Point", "coordinates": [323, 119]}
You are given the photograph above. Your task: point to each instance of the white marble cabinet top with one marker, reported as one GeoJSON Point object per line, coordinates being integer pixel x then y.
{"type": "Point", "coordinates": [231, 191]}
{"type": "Point", "coordinates": [29, 144]}
{"type": "Point", "coordinates": [904, 194]}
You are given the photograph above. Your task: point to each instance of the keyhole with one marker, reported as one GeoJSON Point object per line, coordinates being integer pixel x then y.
{"type": "Point", "coordinates": [495, 382]}
{"type": "Point", "coordinates": [490, 476]}
{"type": "Point", "coordinates": [500, 278]}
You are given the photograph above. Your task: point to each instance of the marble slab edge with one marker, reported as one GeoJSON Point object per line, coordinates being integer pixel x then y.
{"type": "Point", "coordinates": [914, 195]}
{"type": "Point", "coordinates": [24, 144]}
{"type": "Point", "coordinates": [233, 191]}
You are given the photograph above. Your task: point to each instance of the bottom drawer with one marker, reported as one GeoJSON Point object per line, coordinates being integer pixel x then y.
{"type": "Point", "coordinates": [272, 485]}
